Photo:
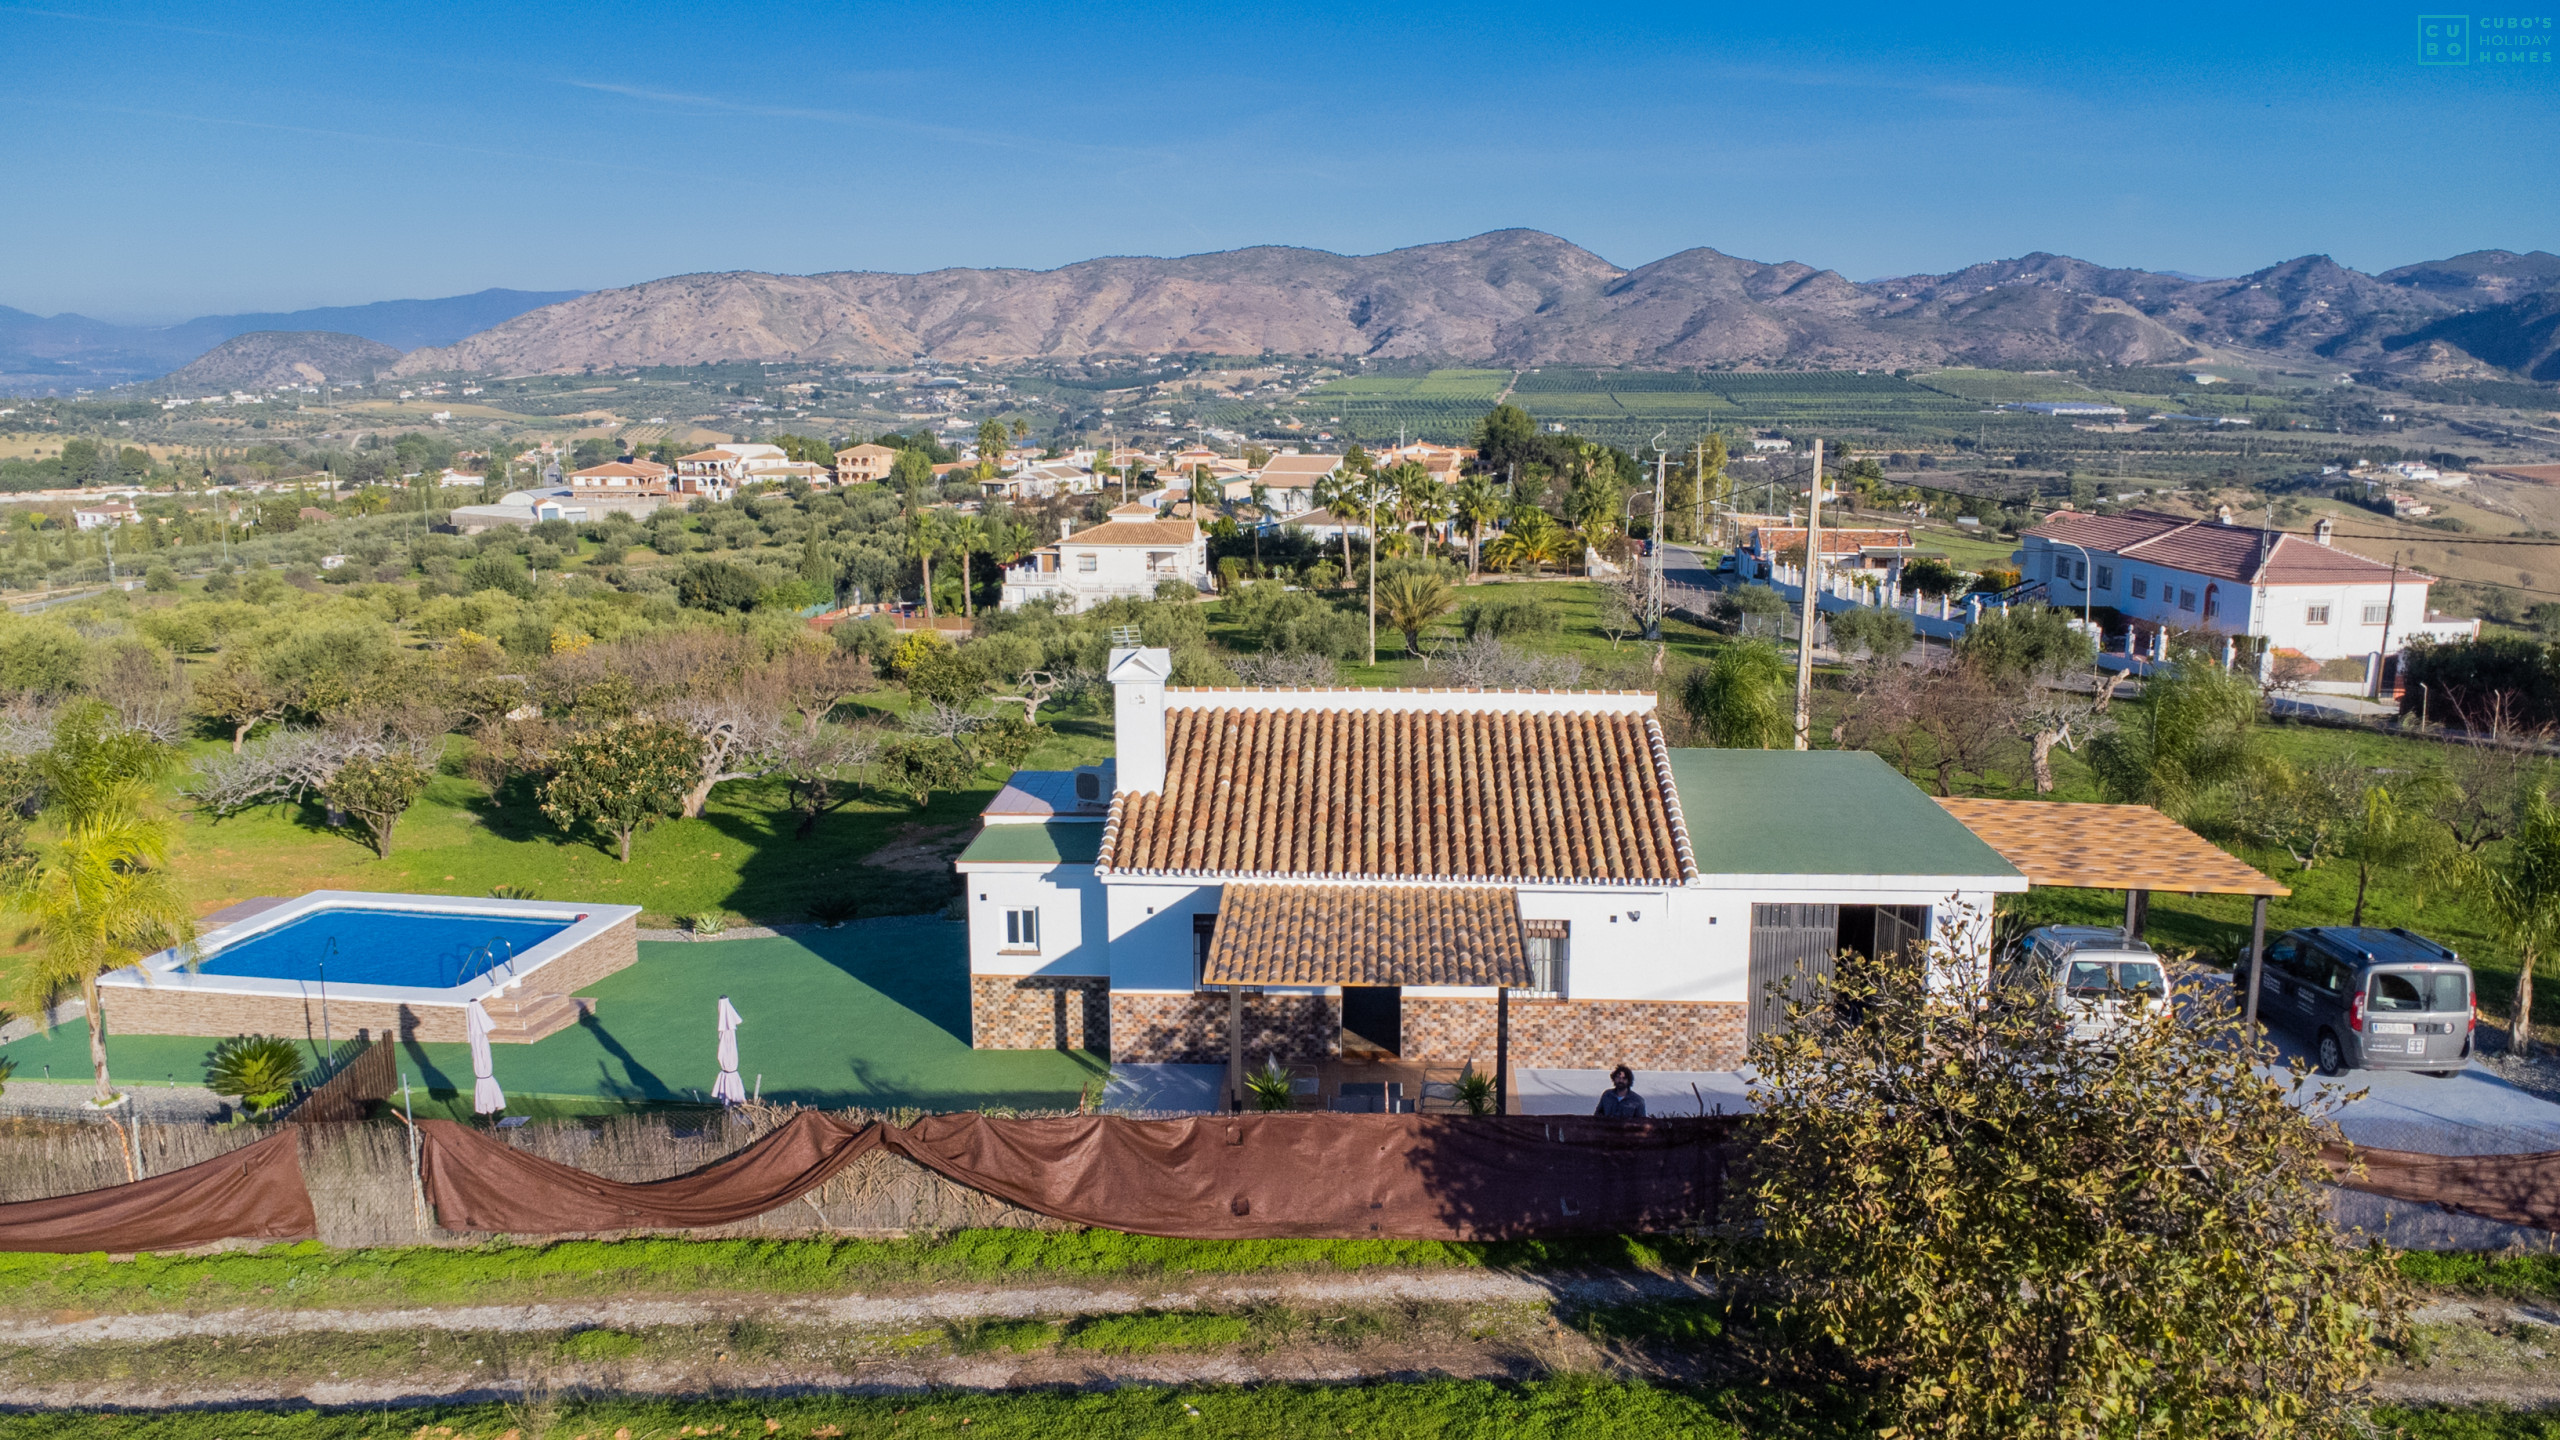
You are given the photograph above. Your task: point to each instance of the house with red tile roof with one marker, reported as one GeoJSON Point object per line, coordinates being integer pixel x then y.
{"type": "Point", "coordinates": [2173, 572]}
{"type": "Point", "coordinates": [1130, 553]}
{"type": "Point", "coordinates": [1447, 877]}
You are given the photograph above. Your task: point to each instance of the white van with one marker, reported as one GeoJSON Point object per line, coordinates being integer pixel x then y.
{"type": "Point", "coordinates": [2093, 974]}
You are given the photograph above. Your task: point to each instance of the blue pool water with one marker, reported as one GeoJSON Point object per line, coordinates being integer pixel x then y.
{"type": "Point", "coordinates": [383, 947]}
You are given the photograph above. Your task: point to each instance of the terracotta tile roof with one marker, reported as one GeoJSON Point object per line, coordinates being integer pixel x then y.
{"type": "Point", "coordinates": [2224, 552]}
{"type": "Point", "coordinates": [1478, 793]}
{"type": "Point", "coordinates": [1770, 539]}
{"type": "Point", "coordinates": [1138, 529]}
{"type": "Point", "coordinates": [625, 469]}
{"type": "Point", "coordinates": [2106, 847]}
{"type": "Point", "coordinates": [1368, 935]}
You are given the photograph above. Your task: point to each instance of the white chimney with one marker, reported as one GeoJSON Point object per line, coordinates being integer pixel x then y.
{"type": "Point", "coordinates": [2222, 515]}
{"type": "Point", "coordinates": [1066, 528]}
{"type": "Point", "coordinates": [2321, 531]}
{"type": "Point", "coordinates": [1138, 677]}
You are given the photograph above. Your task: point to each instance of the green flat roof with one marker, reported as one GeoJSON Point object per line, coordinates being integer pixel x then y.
{"type": "Point", "coordinates": [1055, 842]}
{"type": "Point", "coordinates": [1819, 812]}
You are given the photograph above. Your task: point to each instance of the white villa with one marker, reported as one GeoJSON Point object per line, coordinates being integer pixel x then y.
{"type": "Point", "coordinates": [1437, 875]}
{"type": "Point", "coordinates": [2172, 572]}
{"type": "Point", "coordinates": [1129, 554]}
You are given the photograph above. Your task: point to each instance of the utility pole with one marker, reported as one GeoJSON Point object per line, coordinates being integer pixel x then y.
{"type": "Point", "coordinates": [1653, 573]}
{"type": "Point", "coordinates": [2389, 604]}
{"type": "Point", "coordinates": [1369, 488]}
{"type": "Point", "coordinates": [1698, 533]}
{"type": "Point", "coordinates": [1812, 604]}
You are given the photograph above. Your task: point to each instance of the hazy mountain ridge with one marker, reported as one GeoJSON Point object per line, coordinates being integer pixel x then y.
{"type": "Point", "coordinates": [62, 352]}
{"type": "Point", "coordinates": [1517, 297]}
{"type": "Point", "coordinates": [264, 359]}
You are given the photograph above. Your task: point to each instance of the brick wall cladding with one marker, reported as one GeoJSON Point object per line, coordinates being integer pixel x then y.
{"type": "Point", "coordinates": [168, 1010]}
{"type": "Point", "coordinates": [1580, 1034]}
{"type": "Point", "coordinates": [1040, 1012]}
{"type": "Point", "coordinates": [1192, 1029]}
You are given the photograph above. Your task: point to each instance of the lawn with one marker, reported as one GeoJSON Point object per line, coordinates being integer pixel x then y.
{"type": "Point", "coordinates": [874, 1014]}
{"type": "Point", "coordinates": [1578, 607]}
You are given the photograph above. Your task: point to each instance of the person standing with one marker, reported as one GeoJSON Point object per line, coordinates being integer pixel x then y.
{"type": "Point", "coordinates": [1620, 1101]}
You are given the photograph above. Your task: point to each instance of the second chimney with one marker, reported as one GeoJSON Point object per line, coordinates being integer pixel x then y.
{"type": "Point", "coordinates": [2321, 532]}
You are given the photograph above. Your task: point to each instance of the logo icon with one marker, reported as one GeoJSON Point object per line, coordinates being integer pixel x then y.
{"type": "Point", "coordinates": [2444, 39]}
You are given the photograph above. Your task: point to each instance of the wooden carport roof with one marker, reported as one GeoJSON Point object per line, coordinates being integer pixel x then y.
{"type": "Point", "coordinates": [2107, 847]}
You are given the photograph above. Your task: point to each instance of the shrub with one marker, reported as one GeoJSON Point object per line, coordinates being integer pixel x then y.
{"type": "Point", "coordinates": [496, 572]}
{"type": "Point", "coordinates": [2008, 1233]}
{"type": "Point", "coordinates": [1269, 1086]}
{"type": "Point", "coordinates": [261, 1069]}
{"type": "Point", "coordinates": [1740, 698]}
{"type": "Point", "coordinates": [159, 579]}
{"type": "Point", "coordinates": [1508, 617]}
{"type": "Point", "coordinates": [719, 587]}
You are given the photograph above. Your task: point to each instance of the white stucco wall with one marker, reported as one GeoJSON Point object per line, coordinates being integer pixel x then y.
{"type": "Point", "coordinates": [1150, 929]}
{"type": "Point", "coordinates": [2278, 612]}
{"type": "Point", "coordinates": [1074, 938]}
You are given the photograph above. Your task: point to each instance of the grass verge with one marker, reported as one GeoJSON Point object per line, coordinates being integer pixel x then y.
{"type": "Point", "coordinates": [311, 1275]}
{"type": "Point", "coordinates": [2519, 1277]}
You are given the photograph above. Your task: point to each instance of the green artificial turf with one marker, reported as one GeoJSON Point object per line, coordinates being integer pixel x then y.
{"type": "Point", "coordinates": [874, 1014]}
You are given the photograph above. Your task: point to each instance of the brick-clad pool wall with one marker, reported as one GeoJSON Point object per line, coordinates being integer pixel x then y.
{"type": "Point", "coordinates": [170, 1010]}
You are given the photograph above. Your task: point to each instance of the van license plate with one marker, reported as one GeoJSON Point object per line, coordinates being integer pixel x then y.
{"type": "Point", "coordinates": [2394, 1027]}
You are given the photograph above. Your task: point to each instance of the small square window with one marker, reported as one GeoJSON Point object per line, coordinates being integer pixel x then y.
{"type": "Point", "coordinates": [2106, 577]}
{"type": "Point", "coordinates": [1022, 929]}
{"type": "Point", "coordinates": [2375, 614]}
{"type": "Point", "coordinates": [2315, 615]}
{"type": "Point", "coordinates": [2141, 588]}
{"type": "Point", "coordinates": [2186, 599]}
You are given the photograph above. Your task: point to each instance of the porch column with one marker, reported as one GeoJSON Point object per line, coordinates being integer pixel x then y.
{"type": "Point", "coordinates": [1501, 1049]}
{"type": "Point", "coordinates": [1235, 1047]}
{"type": "Point", "coordinates": [2257, 965]}
{"type": "Point", "coordinates": [2137, 913]}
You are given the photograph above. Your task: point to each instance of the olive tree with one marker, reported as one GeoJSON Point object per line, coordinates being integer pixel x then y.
{"type": "Point", "coordinates": [2001, 1233]}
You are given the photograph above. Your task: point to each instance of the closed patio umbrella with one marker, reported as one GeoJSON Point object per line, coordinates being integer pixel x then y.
{"type": "Point", "coordinates": [486, 1097]}
{"type": "Point", "coordinates": [726, 1089]}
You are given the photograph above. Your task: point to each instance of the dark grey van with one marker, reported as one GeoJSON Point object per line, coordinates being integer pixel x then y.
{"type": "Point", "coordinates": [2367, 998]}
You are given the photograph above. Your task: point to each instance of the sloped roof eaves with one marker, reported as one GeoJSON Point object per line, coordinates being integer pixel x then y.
{"type": "Point", "coordinates": [1137, 532]}
{"type": "Point", "coordinates": [1467, 935]}
{"type": "Point", "coordinates": [1824, 812]}
{"type": "Point", "coordinates": [1453, 797]}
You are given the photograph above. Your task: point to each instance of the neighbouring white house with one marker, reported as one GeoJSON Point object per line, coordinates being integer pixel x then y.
{"type": "Point", "coordinates": [1041, 479]}
{"type": "Point", "coordinates": [1290, 480]}
{"type": "Point", "coordinates": [1437, 875]}
{"type": "Point", "coordinates": [1129, 554]}
{"type": "Point", "coordinates": [2170, 572]}
{"type": "Point", "coordinates": [717, 473]}
{"type": "Point", "coordinates": [452, 479]}
{"type": "Point", "coordinates": [105, 517]}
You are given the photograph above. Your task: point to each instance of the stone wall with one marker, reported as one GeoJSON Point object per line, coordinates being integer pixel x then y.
{"type": "Point", "coordinates": [1192, 1029]}
{"type": "Point", "coordinates": [172, 1010]}
{"type": "Point", "coordinates": [1581, 1034]}
{"type": "Point", "coordinates": [1040, 1012]}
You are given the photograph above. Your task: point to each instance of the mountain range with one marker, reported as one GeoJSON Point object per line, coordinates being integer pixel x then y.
{"type": "Point", "coordinates": [1520, 297]}
{"type": "Point", "coordinates": [1510, 297]}
{"type": "Point", "coordinates": [64, 352]}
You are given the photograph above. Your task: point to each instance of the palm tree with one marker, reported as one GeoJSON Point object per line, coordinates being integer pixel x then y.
{"type": "Point", "coordinates": [2522, 892]}
{"type": "Point", "coordinates": [1344, 494]}
{"type": "Point", "coordinates": [1479, 502]}
{"type": "Point", "coordinates": [101, 896]}
{"type": "Point", "coordinates": [1532, 538]}
{"type": "Point", "coordinates": [964, 536]}
{"type": "Point", "coordinates": [1410, 599]}
{"type": "Point", "coordinates": [925, 539]}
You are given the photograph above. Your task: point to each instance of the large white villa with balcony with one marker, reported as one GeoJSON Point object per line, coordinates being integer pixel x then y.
{"type": "Point", "coordinates": [1129, 554]}
{"type": "Point", "coordinates": [2171, 572]}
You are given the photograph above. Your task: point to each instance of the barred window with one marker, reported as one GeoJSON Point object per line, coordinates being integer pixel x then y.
{"type": "Point", "coordinates": [1548, 942]}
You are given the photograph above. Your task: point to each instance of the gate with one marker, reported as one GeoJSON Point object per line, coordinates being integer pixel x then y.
{"type": "Point", "coordinates": [1789, 943]}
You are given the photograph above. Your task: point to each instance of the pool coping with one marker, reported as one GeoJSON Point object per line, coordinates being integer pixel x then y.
{"type": "Point", "coordinates": [168, 971]}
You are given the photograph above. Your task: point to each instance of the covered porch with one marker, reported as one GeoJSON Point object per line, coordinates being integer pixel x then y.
{"type": "Point", "coordinates": [1372, 944]}
{"type": "Point", "coordinates": [2132, 848]}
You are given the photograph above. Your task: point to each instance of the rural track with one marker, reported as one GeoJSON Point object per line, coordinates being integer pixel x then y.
{"type": "Point", "coordinates": [868, 1312]}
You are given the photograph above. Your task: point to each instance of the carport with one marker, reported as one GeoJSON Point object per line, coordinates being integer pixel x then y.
{"type": "Point", "coordinates": [2132, 848]}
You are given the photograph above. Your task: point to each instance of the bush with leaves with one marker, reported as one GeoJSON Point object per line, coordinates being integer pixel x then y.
{"type": "Point", "coordinates": [2006, 1234]}
{"type": "Point", "coordinates": [915, 766]}
{"type": "Point", "coordinates": [1928, 575]}
{"type": "Point", "coordinates": [261, 1069]}
{"type": "Point", "coordinates": [621, 777]}
{"type": "Point", "coordinates": [377, 789]}
{"type": "Point", "coordinates": [1740, 700]}
{"type": "Point", "coordinates": [1752, 609]}
{"type": "Point", "coordinates": [2191, 733]}
{"type": "Point", "coordinates": [1508, 617]}
{"type": "Point", "coordinates": [719, 587]}
{"type": "Point", "coordinates": [1884, 634]}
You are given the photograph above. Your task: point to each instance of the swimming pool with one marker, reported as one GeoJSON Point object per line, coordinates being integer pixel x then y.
{"type": "Point", "coordinates": [350, 945]}
{"type": "Point", "coordinates": [334, 962]}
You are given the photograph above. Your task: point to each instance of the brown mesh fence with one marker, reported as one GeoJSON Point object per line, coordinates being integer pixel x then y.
{"type": "Point", "coordinates": [763, 1171]}
{"type": "Point", "coordinates": [254, 1192]}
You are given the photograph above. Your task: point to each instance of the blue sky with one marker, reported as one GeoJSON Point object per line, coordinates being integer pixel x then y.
{"type": "Point", "coordinates": [173, 160]}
